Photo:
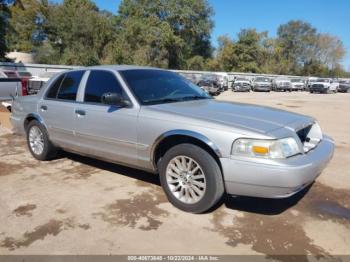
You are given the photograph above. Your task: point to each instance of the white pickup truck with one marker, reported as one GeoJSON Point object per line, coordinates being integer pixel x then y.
{"type": "Point", "coordinates": [11, 87]}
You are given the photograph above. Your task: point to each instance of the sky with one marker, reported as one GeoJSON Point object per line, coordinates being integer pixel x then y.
{"type": "Point", "coordinates": [327, 16]}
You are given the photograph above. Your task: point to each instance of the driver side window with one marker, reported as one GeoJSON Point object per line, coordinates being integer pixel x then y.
{"type": "Point", "coordinates": [99, 83]}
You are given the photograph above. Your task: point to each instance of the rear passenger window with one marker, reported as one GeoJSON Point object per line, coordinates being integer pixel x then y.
{"type": "Point", "coordinates": [70, 85]}
{"type": "Point", "coordinates": [99, 83]}
{"type": "Point", "coordinates": [54, 88]}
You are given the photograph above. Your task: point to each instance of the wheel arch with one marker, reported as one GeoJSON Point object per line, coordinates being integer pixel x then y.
{"type": "Point", "coordinates": [33, 116]}
{"type": "Point", "coordinates": [175, 137]}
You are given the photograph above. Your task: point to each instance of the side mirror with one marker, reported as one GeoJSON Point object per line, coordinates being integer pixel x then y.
{"type": "Point", "coordinates": [114, 99]}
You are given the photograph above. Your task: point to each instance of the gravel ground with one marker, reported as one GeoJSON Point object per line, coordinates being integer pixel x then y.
{"type": "Point", "coordinates": [78, 205]}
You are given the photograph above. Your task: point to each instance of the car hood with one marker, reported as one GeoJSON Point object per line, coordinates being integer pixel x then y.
{"type": "Point", "coordinates": [236, 115]}
{"type": "Point", "coordinates": [262, 83]}
{"type": "Point", "coordinates": [241, 82]}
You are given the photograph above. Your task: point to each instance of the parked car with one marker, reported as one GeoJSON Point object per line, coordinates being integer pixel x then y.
{"type": "Point", "coordinates": [155, 120]}
{"type": "Point", "coordinates": [211, 83]}
{"type": "Point", "coordinates": [210, 86]}
{"type": "Point", "coordinates": [261, 84]}
{"type": "Point", "coordinates": [241, 84]}
{"type": "Point", "coordinates": [324, 85]}
{"type": "Point", "coordinates": [344, 86]}
{"type": "Point", "coordinates": [309, 82]}
{"type": "Point", "coordinates": [297, 84]}
{"type": "Point", "coordinates": [282, 84]}
{"type": "Point", "coordinates": [222, 79]}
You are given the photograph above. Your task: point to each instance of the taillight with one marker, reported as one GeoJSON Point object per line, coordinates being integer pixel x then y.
{"type": "Point", "coordinates": [24, 87]}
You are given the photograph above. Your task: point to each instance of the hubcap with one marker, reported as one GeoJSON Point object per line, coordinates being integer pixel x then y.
{"type": "Point", "coordinates": [186, 179]}
{"type": "Point", "coordinates": [36, 140]}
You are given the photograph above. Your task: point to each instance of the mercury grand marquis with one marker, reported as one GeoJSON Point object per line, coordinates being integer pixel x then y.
{"type": "Point", "coordinates": [156, 120]}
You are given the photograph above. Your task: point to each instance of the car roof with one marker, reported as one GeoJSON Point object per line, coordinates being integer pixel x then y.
{"type": "Point", "coordinates": [120, 67]}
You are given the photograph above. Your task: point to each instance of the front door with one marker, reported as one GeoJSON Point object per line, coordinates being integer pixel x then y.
{"type": "Point", "coordinates": [102, 130]}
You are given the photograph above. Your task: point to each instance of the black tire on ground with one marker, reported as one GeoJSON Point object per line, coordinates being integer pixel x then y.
{"type": "Point", "coordinates": [49, 150]}
{"type": "Point", "coordinates": [214, 180]}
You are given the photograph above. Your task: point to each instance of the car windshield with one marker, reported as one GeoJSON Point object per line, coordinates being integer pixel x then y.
{"type": "Point", "coordinates": [241, 79]}
{"type": "Point", "coordinates": [296, 80]}
{"type": "Point", "coordinates": [152, 86]}
{"type": "Point", "coordinates": [323, 80]}
{"type": "Point", "coordinates": [262, 79]}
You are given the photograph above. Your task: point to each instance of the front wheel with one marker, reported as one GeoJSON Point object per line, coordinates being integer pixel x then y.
{"type": "Point", "coordinates": [191, 178]}
{"type": "Point", "coordinates": [38, 142]}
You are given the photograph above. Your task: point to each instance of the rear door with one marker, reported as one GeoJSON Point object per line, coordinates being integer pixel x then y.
{"type": "Point", "coordinates": [58, 109]}
{"type": "Point", "coordinates": [109, 132]}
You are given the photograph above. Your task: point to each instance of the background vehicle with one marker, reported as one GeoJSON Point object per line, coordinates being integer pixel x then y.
{"type": "Point", "coordinates": [222, 79]}
{"type": "Point", "coordinates": [297, 84]}
{"type": "Point", "coordinates": [11, 87]}
{"type": "Point", "coordinates": [211, 86]}
{"type": "Point", "coordinates": [324, 85]}
{"type": "Point", "coordinates": [37, 82]}
{"type": "Point", "coordinates": [309, 82]}
{"type": "Point", "coordinates": [281, 84]}
{"type": "Point", "coordinates": [261, 84]}
{"type": "Point", "coordinates": [241, 84]}
{"type": "Point", "coordinates": [344, 86]}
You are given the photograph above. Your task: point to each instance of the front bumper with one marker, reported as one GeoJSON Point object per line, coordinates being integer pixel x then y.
{"type": "Point", "coordinates": [276, 179]}
{"type": "Point", "coordinates": [241, 88]}
{"type": "Point", "coordinates": [262, 88]}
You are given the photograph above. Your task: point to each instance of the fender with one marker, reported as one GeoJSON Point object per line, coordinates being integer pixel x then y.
{"type": "Point", "coordinates": [181, 132]}
{"type": "Point", "coordinates": [37, 117]}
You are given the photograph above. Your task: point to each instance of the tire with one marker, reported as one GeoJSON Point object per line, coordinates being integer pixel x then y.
{"type": "Point", "coordinates": [48, 150]}
{"type": "Point", "coordinates": [213, 188]}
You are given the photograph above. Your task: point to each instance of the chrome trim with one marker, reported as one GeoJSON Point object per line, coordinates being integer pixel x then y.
{"type": "Point", "coordinates": [183, 133]}
{"type": "Point", "coordinates": [107, 140]}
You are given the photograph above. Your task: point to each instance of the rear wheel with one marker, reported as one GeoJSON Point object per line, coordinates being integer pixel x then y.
{"type": "Point", "coordinates": [38, 142]}
{"type": "Point", "coordinates": [191, 178]}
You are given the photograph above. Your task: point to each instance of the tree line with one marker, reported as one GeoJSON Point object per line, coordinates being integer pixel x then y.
{"type": "Point", "coordinates": [173, 34]}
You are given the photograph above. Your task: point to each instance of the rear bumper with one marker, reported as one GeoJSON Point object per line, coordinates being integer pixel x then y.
{"type": "Point", "coordinates": [17, 125]}
{"type": "Point", "coordinates": [276, 180]}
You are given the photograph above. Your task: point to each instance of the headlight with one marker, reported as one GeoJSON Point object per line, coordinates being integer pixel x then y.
{"type": "Point", "coordinates": [275, 149]}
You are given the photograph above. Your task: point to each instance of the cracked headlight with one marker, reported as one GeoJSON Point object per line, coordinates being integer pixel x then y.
{"type": "Point", "coordinates": [275, 149]}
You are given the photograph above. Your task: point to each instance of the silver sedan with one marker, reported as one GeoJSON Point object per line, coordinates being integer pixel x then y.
{"type": "Point", "coordinates": [155, 120]}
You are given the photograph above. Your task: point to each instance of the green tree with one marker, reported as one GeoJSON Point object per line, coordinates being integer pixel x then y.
{"type": "Point", "coordinates": [165, 33]}
{"type": "Point", "coordinates": [77, 34]}
{"type": "Point", "coordinates": [330, 50]}
{"type": "Point", "coordinates": [4, 16]}
{"type": "Point", "coordinates": [297, 40]}
{"type": "Point", "coordinates": [25, 23]}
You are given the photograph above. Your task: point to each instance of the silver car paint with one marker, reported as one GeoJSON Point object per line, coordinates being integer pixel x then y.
{"type": "Point", "coordinates": [138, 129]}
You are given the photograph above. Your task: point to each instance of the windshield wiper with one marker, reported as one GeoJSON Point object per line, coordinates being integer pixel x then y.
{"type": "Point", "coordinates": [194, 98]}
{"type": "Point", "coordinates": [160, 101]}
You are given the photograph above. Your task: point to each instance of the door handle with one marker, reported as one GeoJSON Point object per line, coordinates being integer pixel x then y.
{"type": "Point", "coordinates": [80, 112]}
{"type": "Point", "coordinates": [43, 108]}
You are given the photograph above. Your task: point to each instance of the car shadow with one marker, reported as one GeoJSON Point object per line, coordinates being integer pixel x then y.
{"type": "Point", "coordinates": [262, 206]}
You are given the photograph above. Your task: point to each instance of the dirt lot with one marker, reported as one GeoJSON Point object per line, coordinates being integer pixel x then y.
{"type": "Point", "coordinates": [77, 205]}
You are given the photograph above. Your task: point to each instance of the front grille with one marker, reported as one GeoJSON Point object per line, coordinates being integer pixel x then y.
{"type": "Point", "coordinates": [303, 134]}
{"type": "Point", "coordinates": [317, 86]}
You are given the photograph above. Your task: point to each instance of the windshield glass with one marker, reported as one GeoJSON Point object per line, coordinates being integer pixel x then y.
{"type": "Point", "coordinates": [296, 80]}
{"type": "Point", "coordinates": [158, 86]}
{"type": "Point", "coordinates": [241, 79]}
{"type": "Point", "coordinates": [262, 79]}
{"type": "Point", "coordinates": [323, 80]}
